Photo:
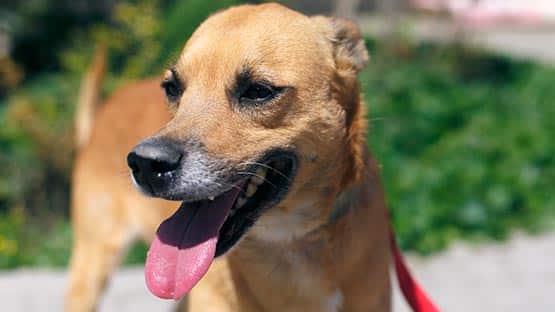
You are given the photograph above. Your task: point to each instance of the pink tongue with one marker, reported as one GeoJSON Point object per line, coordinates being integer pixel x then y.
{"type": "Point", "coordinates": [184, 247]}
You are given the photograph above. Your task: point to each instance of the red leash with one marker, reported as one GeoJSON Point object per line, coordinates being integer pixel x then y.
{"type": "Point", "coordinates": [415, 296]}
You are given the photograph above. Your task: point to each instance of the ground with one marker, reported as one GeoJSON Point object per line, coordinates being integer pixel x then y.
{"type": "Point", "coordinates": [518, 275]}
{"type": "Point", "coordinates": [532, 43]}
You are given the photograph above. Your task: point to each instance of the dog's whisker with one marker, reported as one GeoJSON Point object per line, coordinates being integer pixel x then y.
{"type": "Point", "coordinates": [230, 186]}
{"type": "Point", "coordinates": [240, 189]}
{"type": "Point", "coordinates": [259, 176]}
{"type": "Point", "coordinates": [378, 118]}
{"type": "Point", "coordinates": [268, 167]}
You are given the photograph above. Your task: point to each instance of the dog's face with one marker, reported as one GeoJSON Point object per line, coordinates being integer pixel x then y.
{"type": "Point", "coordinates": [265, 103]}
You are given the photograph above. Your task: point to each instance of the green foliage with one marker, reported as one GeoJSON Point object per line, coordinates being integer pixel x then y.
{"type": "Point", "coordinates": [36, 242]}
{"type": "Point", "coordinates": [144, 36]}
{"type": "Point", "coordinates": [465, 139]}
{"type": "Point", "coordinates": [36, 154]}
{"type": "Point", "coordinates": [131, 36]}
{"type": "Point", "coordinates": [36, 144]}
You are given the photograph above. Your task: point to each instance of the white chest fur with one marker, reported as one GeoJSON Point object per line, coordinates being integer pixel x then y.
{"type": "Point", "coordinates": [309, 282]}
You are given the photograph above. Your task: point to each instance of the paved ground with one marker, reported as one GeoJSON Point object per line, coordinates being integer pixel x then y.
{"type": "Point", "coordinates": [515, 276]}
{"type": "Point", "coordinates": [533, 43]}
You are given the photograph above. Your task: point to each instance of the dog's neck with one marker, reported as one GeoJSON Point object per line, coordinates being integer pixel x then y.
{"type": "Point", "coordinates": [312, 269]}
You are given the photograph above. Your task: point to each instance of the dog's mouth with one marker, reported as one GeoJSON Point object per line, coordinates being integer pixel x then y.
{"type": "Point", "coordinates": [187, 242]}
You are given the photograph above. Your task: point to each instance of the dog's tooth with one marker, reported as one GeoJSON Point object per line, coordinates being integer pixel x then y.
{"type": "Point", "coordinates": [260, 176]}
{"type": "Point", "coordinates": [261, 171]}
{"type": "Point", "coordinates": [211, 198]}
{"type": "Point", "coordinates": [257, 180]}
{"type": "Point", "coordinates": [251, 189]}
{"type": "Point", "coordinates": [240, 202]}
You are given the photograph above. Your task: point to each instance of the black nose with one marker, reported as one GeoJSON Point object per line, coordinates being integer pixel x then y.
{"type": "Point", "coordinates": [150, 159]}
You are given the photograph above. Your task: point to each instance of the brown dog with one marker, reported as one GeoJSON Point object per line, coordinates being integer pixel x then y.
{"type": "Point", "coordinates": [266, 150]}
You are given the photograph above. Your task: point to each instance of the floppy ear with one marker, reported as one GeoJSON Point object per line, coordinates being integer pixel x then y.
{"type": "Point", "coordinates": [349, 49]}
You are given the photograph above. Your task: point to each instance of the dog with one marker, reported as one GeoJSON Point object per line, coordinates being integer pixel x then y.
{"type": "Point", "coordinates": [263, 141]}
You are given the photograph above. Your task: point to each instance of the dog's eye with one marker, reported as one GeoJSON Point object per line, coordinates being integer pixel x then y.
{"type": "Point", "coordinates": [258, 92]}
{"type": "Point", "coordinates": [172, 89]}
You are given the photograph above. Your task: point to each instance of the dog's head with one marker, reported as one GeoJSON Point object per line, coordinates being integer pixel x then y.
{"type": "Point", "coordinates": [267, 130]}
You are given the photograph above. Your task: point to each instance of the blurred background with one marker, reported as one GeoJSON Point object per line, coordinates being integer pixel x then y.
{"type": "Point", "coordinates": [461, 96]}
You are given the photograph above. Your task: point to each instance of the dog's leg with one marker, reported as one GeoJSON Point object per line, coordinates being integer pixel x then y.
{"type": "Point", "coordinates": [99, 244]}
{"type": "Point", "coordinates": [92, 262]}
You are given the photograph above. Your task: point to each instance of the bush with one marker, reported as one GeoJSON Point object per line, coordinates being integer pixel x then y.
{"type": "Point", "coordinates": [465, 139]}
{"type": "Point", "coordinates": [33, 242]}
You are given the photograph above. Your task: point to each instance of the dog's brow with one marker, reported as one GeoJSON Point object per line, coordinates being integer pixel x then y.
{"type": "Point", "coordinates": [246, 74]}
{"type": "Point", "coordinates": [174, 73]}
{"type": "Point", "coordinates": [249, 74]}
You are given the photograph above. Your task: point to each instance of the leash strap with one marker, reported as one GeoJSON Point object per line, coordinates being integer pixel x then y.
{"type": "Point", "coordinates": [415, 296]}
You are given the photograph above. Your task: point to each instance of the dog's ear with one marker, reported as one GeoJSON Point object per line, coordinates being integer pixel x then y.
{"type": "Point", "coordinates": [350, 57]}
{"type": "Point", "coordinates": [348, 44]}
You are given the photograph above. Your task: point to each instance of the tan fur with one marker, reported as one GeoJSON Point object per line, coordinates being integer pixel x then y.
{"type": "Point", "coordinates": [107, 212]}
{"type": "Point", "coordinates": [88, 97]}
{"type": "Point", "coordinates": [298, 256]}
